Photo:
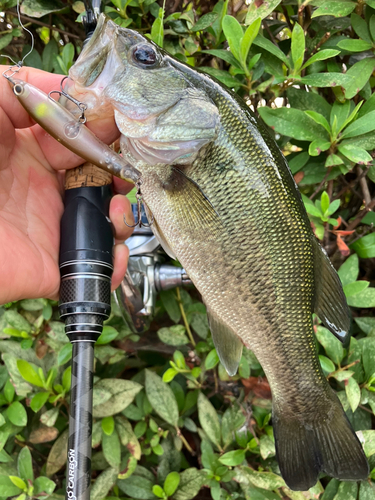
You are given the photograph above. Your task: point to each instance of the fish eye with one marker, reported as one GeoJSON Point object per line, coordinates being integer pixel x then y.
{"type": "Point", "coordinates": [145, 54]}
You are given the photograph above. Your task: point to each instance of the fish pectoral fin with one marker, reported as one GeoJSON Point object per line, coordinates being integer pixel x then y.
{"type": "Point", "coordinates": [330, 302]}
{"type": "Point", "coordinates": [227, 344]}
{"type": "Point", "coordinates": [158, 233]}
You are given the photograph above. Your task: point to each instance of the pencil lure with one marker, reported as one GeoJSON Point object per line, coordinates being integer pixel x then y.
{"type": "Point", "coordinates": [72, 133]}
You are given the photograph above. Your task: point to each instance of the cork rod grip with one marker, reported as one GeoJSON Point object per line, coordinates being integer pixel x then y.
{"type": "Point", "coordinates": [86, 175]}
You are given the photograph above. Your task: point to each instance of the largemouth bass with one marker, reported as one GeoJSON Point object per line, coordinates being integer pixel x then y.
{"type": "Point", "coordinates": [226, 205]}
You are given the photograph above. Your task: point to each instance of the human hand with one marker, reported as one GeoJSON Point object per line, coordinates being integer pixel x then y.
{"type": "Point", "coordinates": [31, 203]}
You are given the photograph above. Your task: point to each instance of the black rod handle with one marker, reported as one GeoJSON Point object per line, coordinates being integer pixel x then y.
{"type": "Point", "coordinates": [86, 267]}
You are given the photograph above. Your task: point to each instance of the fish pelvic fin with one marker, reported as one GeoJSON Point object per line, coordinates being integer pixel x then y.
{"type": "Point", "coordinates": [330, 302]}
{"type": "Point", "coordinates": [227, 344]}
{"type": "Point", "coordinates": [327, 445]}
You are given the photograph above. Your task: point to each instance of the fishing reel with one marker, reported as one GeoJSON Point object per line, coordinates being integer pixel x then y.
{"type": "Point", "coordinates": [147, 274]}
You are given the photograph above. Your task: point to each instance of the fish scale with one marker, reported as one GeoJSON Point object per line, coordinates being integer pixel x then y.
{"type": "Point", "coordinates": [226, 205]}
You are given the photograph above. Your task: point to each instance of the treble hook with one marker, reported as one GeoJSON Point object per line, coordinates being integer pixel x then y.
{"type": "Point", "coordinates": [138, 196]}
{"type": "Point", "coordinates": [80, 105]}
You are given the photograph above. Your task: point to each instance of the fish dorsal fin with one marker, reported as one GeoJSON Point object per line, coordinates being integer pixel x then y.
{"type": "Point", "coordinates": [330, 302]}
{"type": "Point", "coordinates": [227, 344]}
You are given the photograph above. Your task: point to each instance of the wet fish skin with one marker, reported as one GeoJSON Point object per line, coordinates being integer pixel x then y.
{"type": "Point", "coordinates": [225, 203]}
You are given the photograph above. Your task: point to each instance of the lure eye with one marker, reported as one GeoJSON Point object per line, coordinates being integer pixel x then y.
{"type": "Point", "coordinates": [145, 55]}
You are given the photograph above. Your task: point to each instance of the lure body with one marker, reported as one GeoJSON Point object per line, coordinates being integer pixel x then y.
{"type": "Point", "coordinates": [70, 132]}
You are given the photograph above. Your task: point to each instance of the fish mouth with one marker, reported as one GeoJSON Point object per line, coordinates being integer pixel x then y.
{"type": "Point", "coordinates": [102, 61]}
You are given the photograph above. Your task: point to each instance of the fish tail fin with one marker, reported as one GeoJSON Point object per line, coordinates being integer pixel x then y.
{"type": "Point", "coordinates": [305, 449]}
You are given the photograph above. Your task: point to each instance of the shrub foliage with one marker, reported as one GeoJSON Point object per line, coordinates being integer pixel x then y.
{"type": "Point", "coordinates": [168, 421]}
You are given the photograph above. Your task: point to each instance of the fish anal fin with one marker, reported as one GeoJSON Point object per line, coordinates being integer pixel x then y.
{"type": "Point", "coordinates": [227, 344]}
{"type": "Point", "coordinates": [330, 302]}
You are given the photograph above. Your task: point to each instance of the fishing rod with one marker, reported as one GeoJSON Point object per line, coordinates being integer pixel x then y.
{"type": "Point", "coordinates": [86, 267]}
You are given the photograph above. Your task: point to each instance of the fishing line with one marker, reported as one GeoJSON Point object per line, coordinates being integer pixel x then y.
{"type": "Point", "coordinates": [20, 63]}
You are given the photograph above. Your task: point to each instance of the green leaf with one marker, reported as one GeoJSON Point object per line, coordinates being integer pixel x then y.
{"type": "Point", "coordinates": [349, 271]}
{"type": "Point", "coordinates": [212, 360]}
{"type": "Point", "coordinates": [369, 446]}
{"type": "Point", "coordinates": [174, 335]}
{"type": "Point", "coordinates": [308, 101]}
{"type": "Point", "coordinates": [225, 55]}
{"type": "Point", "coordinates": [49, 417]}
{"type": "Point", "coordinates": [365, 246]}
{"type": "Point", "coordinates": [223, 76]}
{"type": "Point", "coordinates": [247, 40]}
{"type": "Point", "coordinates": [8, 488]}
{"type": "Point", "coordinates": [66, 378]}
{"type": "Point", "coordinates": [28, 373]}
{"type": "Point", "coordinates": [354, 45]}
{"type": "Point", "coordinates": [161, 398]}
{"type": "Point", "coordinates": [298, 47]}
{"type": "Point", "coordinates": [232, 458]}
{"type": "Point", "coordinates": [171, 483]}
{"type": "Point", "coordinates": [360, 73]}
{"type": "Point", "coordinates": [267, 45]}
{"type": "Point", "coordinates": [39, 9]}
{"type": "Point", "coordinates": [322, 55]}
{"type": "Point", "coordinates": [298, 162]}
{"type": "Point", "coordinates": [361, 126]}
{"type": "Point", "coordinates": [122, 394]}
{"type": "Point", "coordinates": [355, 154]}
{"type": "Point", "coordinates": [137, 487]}
{"type": "Point", "coordinates": [233, 33]}
{"type": "Point", "coordinates": [312, 210]}
{"type": "Point", "coordinates": [170, 304]}
{"type": "Point", "coordinates": [44, 485]}
{"type": "Point", "coordinates": [359, 25]}
{"type": "Point", "coordinates": [317, 146]}
{"type": "Point", "coordinates": [17, 414]}
{"type": "Point", "coordinates": [333, 207]}
{"type": "Point", "coordinates": [320, 119]}
{"type": "Point", "coordinates": [17, 481]}
{"type": "Point", "coordinates": [368, 356]}
{"type": "Point", "coordinates": [365, 324]}
{"type": "Point", "coordinates": [169, 375]}
{"type": "Point", "coordinates": [331, 344]}
{"type": "Point", "coordinates": [112, 448]}
{"type": "Point", "coordinates": [363, 299]}
{"type": "Point", "coordinates": [324, 202]}
{"type": "Point", "coordinates": [353, 393]}
{"type": "Point", "coordinates": [109, 333]}
{"type": "Point", "coordinates": [205, 21]}
{"type": "Point", "coordinates": [293, 123]}
{"type": "Point", "coordinates": [356, 287]}
{"type": "Point", "coordinates": [336, 9]}
{"type": "Point", "coordinates": [366, 491]}
{"type": "Point", "coordinates": [157, 31]}
{"type": "Point", "coordinates": [108, 425]}
{"type": "Point", "coordinates": [209, 420]}
{"type": "Point", "coordinates": [5, 40]}
{"type": "Point", "coordinates": [158, 491]}
{"type": "Point", "coordinates": [331, 79]}
{"type": "Point", "coordinates": [65, 354]}
{"type": "Point", "coordinates": [191, 481]}
{"type": "Point", "coordinates": [266, 480]}
{"type": "Point", "coordinates": [347, 490]}
{"type": "Point", "coordinates": [9, 391]}
{"type": "Point", "coordinates": [326, 364]}
{"type": "Point", "coordinates": [24, 464]}
{"type": "Point", "coordinates": [260, 9]}
{"type": "Point", "coordinates": [266, 447]}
